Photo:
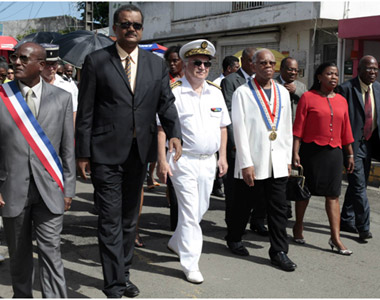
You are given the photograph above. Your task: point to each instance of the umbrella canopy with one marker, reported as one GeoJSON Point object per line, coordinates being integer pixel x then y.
{"type": "Point", "coordinates": [277, 55]}
{"type": "Point", "coordinates": [154, 48]}
{"type": "Point", "coordinates": [7, 42]}
{"type": "Point", "coordinates": [40, 37]}
{"type": "Point", "coordinates": [74, 46]}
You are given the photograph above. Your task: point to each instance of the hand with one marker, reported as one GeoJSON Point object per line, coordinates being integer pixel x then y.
{"type": "Point", "coordinates": [249, 175]}
{"type": "Point", "coordinates": [289, 170]}
{"type": "Point", "coordinates": [163, 170]}
{"type": "Point", "coordinates": [223, 166]}
{"type": "Point", "coordinates": [350, 165]}
{"type": "Point", "coordinates": [296, 160]}
{"type": "Point", "coordinates": [68, 203]}
{"type": "Point", "coordinates": [83, 166]}
{"type": "Point", "coordinates": [2, 203]}
{"type": "Point", "coordinates": [176, 144]}
{"type": "Point", "coordinates": [291, 87]}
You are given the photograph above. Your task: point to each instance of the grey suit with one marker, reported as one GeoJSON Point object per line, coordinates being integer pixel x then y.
{"type": "Point", "coordinates": [295, 97]}
{"type": "Point", "coordinates": [32, 197]}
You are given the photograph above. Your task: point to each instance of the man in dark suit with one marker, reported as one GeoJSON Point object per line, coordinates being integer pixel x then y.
{"type": "Point", "coordinates": [363, 97]}
{"type": "Point", "coordinates": [288, 78]}
{"type": "Point", "coordinates": [229, 84]}
{"type": "Point", "coordinates": [37, 183]}
{"type": "Point", "coordinates": [122, 89]}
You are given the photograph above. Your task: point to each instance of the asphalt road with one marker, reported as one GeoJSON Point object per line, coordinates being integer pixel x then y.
{"type": "Point", "coordinates": [320, 273]}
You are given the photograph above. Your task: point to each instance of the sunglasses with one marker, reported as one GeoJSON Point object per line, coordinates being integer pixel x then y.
{"type": "Point", "coordinates": [23, 58]}
{"type": "Point", "coordinates": [263, 63]}
{"type": "Point", "coordinates": [9, 73]}
{"type": "Point", "coordinates": [198, 63]}
{"type": "Point", "coordinates": [126, 25]}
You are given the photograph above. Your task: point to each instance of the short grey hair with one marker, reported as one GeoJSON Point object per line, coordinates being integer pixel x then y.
{"type": "Point", "coordinates": [254, 57]}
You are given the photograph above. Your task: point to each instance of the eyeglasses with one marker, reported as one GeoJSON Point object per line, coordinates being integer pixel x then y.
{"type": "Point", "coordinates": [263, 63]}
{"type": "Point", "coordinates": [292, 70]}
{"type": "Point", "coordinates": [23, 58]}
{"type": "Point", "coordinates": [198, 63]}
{"type": "Point", "coordinates": [372, 70]}
{"type": "Point", "coordinates": [126, 25]}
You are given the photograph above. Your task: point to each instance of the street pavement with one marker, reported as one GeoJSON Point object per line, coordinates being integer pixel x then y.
{"type": "Point", "coordinates": [157, 272]}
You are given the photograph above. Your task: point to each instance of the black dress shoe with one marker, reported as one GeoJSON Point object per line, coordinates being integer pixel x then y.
{"type": "Point", "coordinates": [283, 261]}
{"type": "Point", "coordinates": [348, 228]}
{"type": "Point", "coordinates": [365, 235]}
{"type": "Point", "coordinates": [131, 290]}
{"type": "Point", "coordinates": [238, 248]}
{"type": "Point", "coordinates": [260, 229]}
{"type": "Point", "coordinates": [218, 193]}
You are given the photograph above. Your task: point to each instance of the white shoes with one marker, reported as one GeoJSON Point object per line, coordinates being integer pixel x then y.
{"type": "Point", "coordinates": [194, 276]}
{"type": "Point", "coordinates": [1, 258]}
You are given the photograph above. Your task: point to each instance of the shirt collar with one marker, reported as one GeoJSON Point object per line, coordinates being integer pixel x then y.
{"type": "Point", "coordinates": [37, 89]}
{"type": "Point", "coordinates": [282, 80]}
{"type": "Point", "coordinates": [246, 76]}
{"type": "Point", "coordinates": [123, 54]}
{"type": "Point", "coordinates": [187, 88]}
{"type": "Point", "coordinates": [363, 86]}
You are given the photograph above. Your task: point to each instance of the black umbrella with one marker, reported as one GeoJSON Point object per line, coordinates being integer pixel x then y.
{"type": "Point", "coordinates": [40, 37]}
{"type": "Point", "coordinates": [74, 46]}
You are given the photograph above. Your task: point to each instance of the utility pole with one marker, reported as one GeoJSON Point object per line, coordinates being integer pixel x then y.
{"type": "Point", "coordinates": [89, 16]}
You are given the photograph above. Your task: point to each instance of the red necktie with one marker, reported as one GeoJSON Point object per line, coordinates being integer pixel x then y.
{"type": "Point", "coordinates": [368, 115]}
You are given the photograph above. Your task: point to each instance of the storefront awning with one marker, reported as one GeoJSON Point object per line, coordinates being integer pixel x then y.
{"type": "Point", "coordinates": [360, 28]}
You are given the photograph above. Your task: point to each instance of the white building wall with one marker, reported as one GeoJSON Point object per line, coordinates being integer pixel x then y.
{"type": "Point", "coordinates": [349, 9]}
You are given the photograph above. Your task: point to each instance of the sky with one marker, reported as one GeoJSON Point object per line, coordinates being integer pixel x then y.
{"type": "Point", "coordinates": [22, 10]}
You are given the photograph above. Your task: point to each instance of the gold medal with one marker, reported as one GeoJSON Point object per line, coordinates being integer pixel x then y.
{"type": "Point", "coordinates": [273, 134]}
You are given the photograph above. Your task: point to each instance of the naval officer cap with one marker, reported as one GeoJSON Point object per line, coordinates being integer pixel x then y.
{"type": "Point", "coordinates": [197, 47]}
{"type": "Point", "coordinates": [52, 52]}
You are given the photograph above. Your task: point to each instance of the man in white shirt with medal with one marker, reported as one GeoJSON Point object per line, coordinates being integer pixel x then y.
{"type": "Point", "coordinates": [262, 123]}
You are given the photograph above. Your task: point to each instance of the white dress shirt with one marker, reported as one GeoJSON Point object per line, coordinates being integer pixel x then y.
{"type": "Point", "coordinates": [219, 79]}
{"type": "Point", "coordinates": [71, 88]}
{"type": "Point", "coordinates": [253, 146]}
{"type": "Point", "coordinates": [201, 117]}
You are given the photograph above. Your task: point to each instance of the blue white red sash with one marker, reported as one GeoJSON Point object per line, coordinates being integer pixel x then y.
{"type": "Point", "coordinates": [271, 119]}
{"type": "Point", "coordinates": [31, 130]}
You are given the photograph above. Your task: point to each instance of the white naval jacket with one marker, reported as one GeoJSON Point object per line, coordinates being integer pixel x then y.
{"type": "Point", "coordinates": [253, 146]}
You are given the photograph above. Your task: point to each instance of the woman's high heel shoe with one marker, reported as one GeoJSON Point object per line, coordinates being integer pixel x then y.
{"type": "Point", "coordinates": [340, 251]}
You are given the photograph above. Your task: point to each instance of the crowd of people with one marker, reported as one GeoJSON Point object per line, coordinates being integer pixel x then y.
{"type": "Point", "coordinates": [248, 128]}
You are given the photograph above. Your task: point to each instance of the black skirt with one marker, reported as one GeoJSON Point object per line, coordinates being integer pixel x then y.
{"type": "Point", "coordinates": [323, 166]}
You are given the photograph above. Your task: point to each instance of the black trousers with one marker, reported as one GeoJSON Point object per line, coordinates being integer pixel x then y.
{"type": "Point", "coordinates": [258, 208]}
{"type": "Point", "coordinates": [118, 191]}
{"type": "Point", "coordinates": [273, 191]}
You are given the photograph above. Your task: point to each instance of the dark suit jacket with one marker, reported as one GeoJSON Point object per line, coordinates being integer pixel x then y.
{"type": "Point", "coordinates": [351, 90]}
{"type": "Point", "coordinates": [108, 109]}
{"type": "Point", "coordinates": [18, 161]}
{"type": "Point", "coordinates": [229, 84]}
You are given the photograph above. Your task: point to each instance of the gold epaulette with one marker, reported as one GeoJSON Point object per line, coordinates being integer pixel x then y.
{"type": "Point", "coordinates": [175, 84]}
{"type": "Point", "coordinates": [214, 84]}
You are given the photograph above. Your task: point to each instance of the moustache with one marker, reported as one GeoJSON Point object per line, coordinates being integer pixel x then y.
{"type": "Point", "coordinates": [129, 33]}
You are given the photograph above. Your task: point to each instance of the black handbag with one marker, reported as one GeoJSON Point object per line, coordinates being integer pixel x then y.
{"type": "Point", "coordinates": [296, 190]}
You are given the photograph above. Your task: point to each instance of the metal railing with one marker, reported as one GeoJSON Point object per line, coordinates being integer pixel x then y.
{"type": "Point", "coordinates": [239, 6]}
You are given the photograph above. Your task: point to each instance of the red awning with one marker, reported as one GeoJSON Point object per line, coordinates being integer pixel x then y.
{"type": "Point", "coordinates": [7, 42]}
{"type": "Point", "coordinates": [360, 28]}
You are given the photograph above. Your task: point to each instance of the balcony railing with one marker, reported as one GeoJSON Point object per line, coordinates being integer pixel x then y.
{"type": "Point", "coordinates": [239, 6]}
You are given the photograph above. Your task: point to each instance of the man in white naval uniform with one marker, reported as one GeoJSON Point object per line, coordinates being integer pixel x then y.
{"type": "Point", "coordinates": [203, 115]}
{"type": "Point", "coordinates": [262, 123]}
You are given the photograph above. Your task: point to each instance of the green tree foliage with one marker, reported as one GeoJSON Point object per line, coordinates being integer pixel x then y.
{"type": "Point", "coordinates": [100, 12]}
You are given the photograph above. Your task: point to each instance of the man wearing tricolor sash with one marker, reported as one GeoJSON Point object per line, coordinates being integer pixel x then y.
{"type": "Point", "coordinates": [262, 123]}
{"type": "Point", "coordinates": [37, 172]}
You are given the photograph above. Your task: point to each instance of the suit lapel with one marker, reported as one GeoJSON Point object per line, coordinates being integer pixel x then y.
{"type": "Point", "coordinates": [142, 68]}
{"type": "Point", "coordinates": [358, 92]}
{"type": "Point", "coordinates": [115, 60]}
{"type": "Point", "coordinates": [44, 102]}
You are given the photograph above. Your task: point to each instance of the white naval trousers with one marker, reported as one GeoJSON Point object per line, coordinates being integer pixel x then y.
{"type": "Point", "coordinates": [193, 178]}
